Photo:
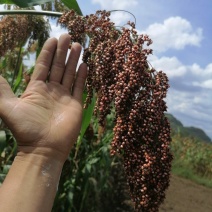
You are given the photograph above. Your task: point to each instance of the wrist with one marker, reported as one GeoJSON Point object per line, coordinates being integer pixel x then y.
{"type": "Point", "coordinates": [47, 168]}
{"type": "Point", "coordinates": [33, 177]}
{"type": "Point", "coordinates": [40, 155]}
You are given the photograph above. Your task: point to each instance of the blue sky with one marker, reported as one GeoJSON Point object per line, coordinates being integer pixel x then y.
{"type": "Point", "coordinates": [181, 32]}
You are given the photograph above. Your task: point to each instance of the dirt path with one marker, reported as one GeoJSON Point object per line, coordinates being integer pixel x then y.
{"type": "Point", "coordinates": [186, 196]}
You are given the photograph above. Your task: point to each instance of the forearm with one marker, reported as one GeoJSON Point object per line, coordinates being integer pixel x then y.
{"type": "Point", "coordinates": [31, 184]}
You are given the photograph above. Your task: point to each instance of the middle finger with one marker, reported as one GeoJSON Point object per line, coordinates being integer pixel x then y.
{"type": "Point", "coordinates": [58, 64]}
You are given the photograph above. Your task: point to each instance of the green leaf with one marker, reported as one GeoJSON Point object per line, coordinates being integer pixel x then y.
{"type": "Point", "coordinates": [93, 160]}
{"type": "Point", "coordinates": [86, 117]}
{"type": "Point", "coordinates": [72, 4]}
{"type": "Point", "coordinates": [18, 79]}
{"type": "Point", "coordinates": [6, 169]}
{"type": "Point", "coordinates": [6, 2]}
{"type": "Point", "coordinates": [88, 167]}
{"type": "Point", "coordinates": [2, 140]}
{"type": "Point", "coordinates": [25, 3]}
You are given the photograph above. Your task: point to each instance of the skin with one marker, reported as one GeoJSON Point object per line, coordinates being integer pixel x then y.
{"type": "Point", "coordinates": [45, 121]}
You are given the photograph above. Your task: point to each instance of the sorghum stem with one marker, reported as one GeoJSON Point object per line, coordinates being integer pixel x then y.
{"type": "Point", "coordinates": [30, 12]}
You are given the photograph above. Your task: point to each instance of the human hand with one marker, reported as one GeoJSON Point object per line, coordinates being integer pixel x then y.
{"type": "Point", "coordinates": [46, 119]}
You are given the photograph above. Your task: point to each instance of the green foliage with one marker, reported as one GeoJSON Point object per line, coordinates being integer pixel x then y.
{"type": "Point", "coordinates": [192, 159]}
{"type": "Point", "coordinates": [2, 140]}
{"type": "Point", "coordinates": [72, 4]}
{"type": "Point", "coordinates": [178, 128]}
{"type": "Point", "coordinates": [192, 152]}
{"type": "Point", "coordinates": [7, 151]}
{"type": "Point", "coordinates": [174, 122]}
{"type": "Point", "coordinates": [24, 3]}
{"type": "Point", "coordinates": [6, 1]}
{"type": "Point", "coordinates": [198, 133]}
{"type": "Point", "coordinates": [86, 117]}
{"type": "Point", "coordinates": [12, 68]}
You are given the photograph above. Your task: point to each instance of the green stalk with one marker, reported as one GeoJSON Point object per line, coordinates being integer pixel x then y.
{"type": "Point", "coordinates": [30, 12]}
{"type": "Point", "coordinates": [17, 65]}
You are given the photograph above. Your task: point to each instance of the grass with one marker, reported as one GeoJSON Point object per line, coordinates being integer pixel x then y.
{"type": "Point", "coordinates": [189, 174]}
{"type": "Point", "coordinates": [192, 160]}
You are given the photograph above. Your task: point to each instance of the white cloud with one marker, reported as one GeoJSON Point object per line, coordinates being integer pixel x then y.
{"type": "Point", "coordinates": [118, 17]}
{"type": "Point", "coordinates": [116, 4]}
{"type": "Point", "coordinates": [170, 65]}
{"type": "Point", "coordinates": [204, 84]}
{"type": "Point", "coordinates": [56, 31]}
{"type": "Point", "coordinates": [201, 77]}
{"type": "Point", "coordinates": [173, 33]}
{"type": "Point", "coordinates": [189, 97]}
{"type": "Point", "coordinates": [193, 75]}
{"type": "Point", "coordinates": [197, 70]}
{"type": "Point", "coordinates": [191, 109]}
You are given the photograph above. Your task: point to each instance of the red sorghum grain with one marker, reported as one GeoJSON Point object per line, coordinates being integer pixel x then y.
{"type": "Point", "coordinates": [120, 76]}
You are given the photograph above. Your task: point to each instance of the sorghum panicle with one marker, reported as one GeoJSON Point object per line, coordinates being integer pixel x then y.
{"type": "Point", "coordinates": [12, 32]}
{"type": "Point", "coordinates": [120, 76]}
{"type": "Point", "coordinates": [15, 30]}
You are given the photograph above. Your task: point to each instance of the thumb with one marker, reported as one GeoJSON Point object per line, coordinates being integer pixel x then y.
{"type": "Point", "coordinates": [5, 93]}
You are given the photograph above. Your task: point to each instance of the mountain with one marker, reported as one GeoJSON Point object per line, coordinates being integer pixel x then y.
{"type": "Point", "coordinates": [177, 127]}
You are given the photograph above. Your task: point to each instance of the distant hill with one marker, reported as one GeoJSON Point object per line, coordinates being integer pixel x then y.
{"type": "Point", "coordinates": [177, 127]}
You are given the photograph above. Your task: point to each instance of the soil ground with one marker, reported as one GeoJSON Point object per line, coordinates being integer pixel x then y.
{"type": "Point", "coordinates": [186, 196]}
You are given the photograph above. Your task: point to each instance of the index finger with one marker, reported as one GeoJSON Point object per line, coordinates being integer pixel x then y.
{"type": "Point", "coordinates": [44, 61]}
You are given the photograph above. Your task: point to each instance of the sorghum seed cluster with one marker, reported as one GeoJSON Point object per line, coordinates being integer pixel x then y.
{"type": "Point", "coordinates": [15, 30]}
{"type": "Point", "coordinates": [10, 32]}
{"type": "Point", "coordinates": [120, 76]}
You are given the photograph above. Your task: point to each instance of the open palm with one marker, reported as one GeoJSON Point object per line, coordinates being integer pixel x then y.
{"type": "Point", "coordinates": [48, 115]}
